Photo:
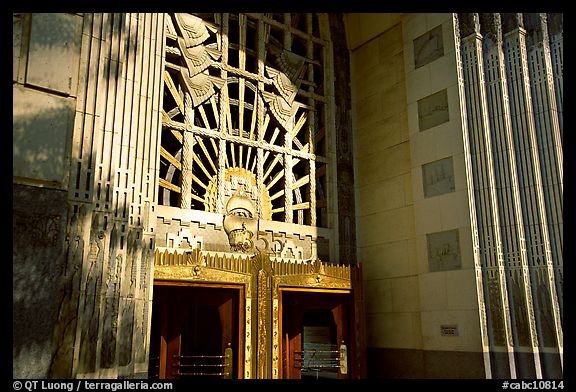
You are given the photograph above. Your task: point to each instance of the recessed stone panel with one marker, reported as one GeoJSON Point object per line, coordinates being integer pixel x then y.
{"type": "Point", "coordinates": [41, 124]}
{"type": "Point", "coordinates": [428, 47]}
{"type": "Point", "coordinates": [443, 250]}
{"type": "Point", "coordinates": [54, 54]}
{"type": "Point", "coordinates": [438, 177]}
{"type": "Point", "coordinates": [433, 110]}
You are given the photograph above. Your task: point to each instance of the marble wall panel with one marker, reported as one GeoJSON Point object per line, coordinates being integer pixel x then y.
{"type": "Point", "coordinates": [443, 250]}
{"type": "Point", "coordinates": [428, 47]}
{"type": "Point", "coordinates": [438, 177]}
{"type": "Point", "coordinates": [433, 110]}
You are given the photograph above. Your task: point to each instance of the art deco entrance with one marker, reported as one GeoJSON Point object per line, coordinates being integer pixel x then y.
{"type": "Point", "coordinates": [250, 317]}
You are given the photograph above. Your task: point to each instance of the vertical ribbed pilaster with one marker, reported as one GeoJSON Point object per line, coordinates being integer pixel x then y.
{"type": "Point", "coordinates": [531, 190]}
{"type": "Point", "coordinates": [512, 87]}
{"type": "Point", "coordinates": [556, 37]}
{"type": "Point", "coordinates": [114, 161]}
{"type": "Point", "coordinates": [490, 242]}
{"type": "Point", "coordinates": [548, 140]}
{"type": "Point", "coordinates": [460, 65]}
{"type": "Point", "coordinates": [523, 324]}
{"type": "Point", "coordinates": [554, 25]}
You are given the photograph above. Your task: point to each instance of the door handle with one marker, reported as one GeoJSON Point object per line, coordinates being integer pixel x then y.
{"type": "Point", "coordinates": [228, 361]}
{"type": "Point", "coordinates": [343, 359]}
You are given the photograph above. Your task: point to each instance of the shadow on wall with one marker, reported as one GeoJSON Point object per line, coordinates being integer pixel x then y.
{"type": "Point", "coordinates": [38, 228]}
{"type": "Point", "coordinates": [46, 67]}
{"type": "Point", "coordinates": [46, 56]}
{"type": "Point", "coordinates": [41, 125]}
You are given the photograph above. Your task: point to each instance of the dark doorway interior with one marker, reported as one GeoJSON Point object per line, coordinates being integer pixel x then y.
{"type": "Point", "coordinates": [195, 332]}
{"type": "Point", "coordinates": [315, 334]}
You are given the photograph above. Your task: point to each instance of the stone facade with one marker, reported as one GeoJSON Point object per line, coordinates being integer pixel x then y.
{"type": "Point", "coordinates": [475, 241]}
{"type": "Point", "coordinates": [85, 179]}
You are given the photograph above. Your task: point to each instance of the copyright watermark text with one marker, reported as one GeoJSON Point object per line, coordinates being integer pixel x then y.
{"type": "Point", "coordinates": [88, 385]}
{"type": "Point", "coordinates": [534, 385]}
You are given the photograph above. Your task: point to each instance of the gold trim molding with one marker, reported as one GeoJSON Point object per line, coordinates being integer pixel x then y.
{"type": "Point", "coordinates": [262, 279]}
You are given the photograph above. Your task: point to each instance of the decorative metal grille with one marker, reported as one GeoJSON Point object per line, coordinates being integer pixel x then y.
{"type": "Point", "coordinates": [244, 110]}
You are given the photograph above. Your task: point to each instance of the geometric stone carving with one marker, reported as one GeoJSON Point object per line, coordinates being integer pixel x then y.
{"type": "Point", "coordinates": [280, 109]}
{"type": "Point", "coordinates": [428, 47]}
{"type": "Point", "coordinates": [197, 58]}
{"type": "Point", "coordinates": [443, 250]}
{"type": "Point", "coordinates": [438, 177]}
{"type": "Point", "coordinates": [433, 110]}
{"type": "Point", "coordinates": [286, 80]}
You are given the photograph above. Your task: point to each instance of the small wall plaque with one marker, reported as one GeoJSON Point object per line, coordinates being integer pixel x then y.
{"type": "Point", "coordinates": [449, 330]}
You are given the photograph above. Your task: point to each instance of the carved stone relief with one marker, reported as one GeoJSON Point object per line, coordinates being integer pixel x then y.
{"type": "Point", "coordinates": [428, 47]}
{"type": "Point", "coordinates": [444, 250]}
{"type": "Point", "coordinates": [111, 307]}
{"type": "Point", "coordinates": [198, 57]}
{"type": "Point", "coordinates": [90, 306]}
{"type": "Point", "coordinates": [182, 235]}
{"type": "Point", "coordinates": [286, 81]}
{"type": "Point", "coordinates": [438, 177]}
{"type": "Point", "coordinates": [42, 230]}
{"type": "Point", "coordinates": [433, 110]}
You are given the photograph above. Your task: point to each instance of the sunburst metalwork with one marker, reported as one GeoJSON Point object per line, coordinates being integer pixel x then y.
{"type": "Point", "coordinates": [245, 107]}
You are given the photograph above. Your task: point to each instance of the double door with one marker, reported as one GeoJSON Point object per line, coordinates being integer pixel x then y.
{"type": "Point", "coordinates": [212, 331]}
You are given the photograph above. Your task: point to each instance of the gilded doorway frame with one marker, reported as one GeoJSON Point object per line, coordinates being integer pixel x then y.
{"type": "Point", "coordinates": [262, 280]}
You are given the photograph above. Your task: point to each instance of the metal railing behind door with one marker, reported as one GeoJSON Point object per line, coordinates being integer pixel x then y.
{"type": "Point", "coordinates": [323, 360]}
{"type": "Point", "coordinates": [218, 366]}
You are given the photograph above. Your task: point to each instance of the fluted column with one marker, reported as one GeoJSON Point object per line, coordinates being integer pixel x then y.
{"type": "Point", "coordinates": [490, 241]}
{"type": "Point", "coordinates": [513, 147]}
{"type": "Point", "coordinates": [510, 208]}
